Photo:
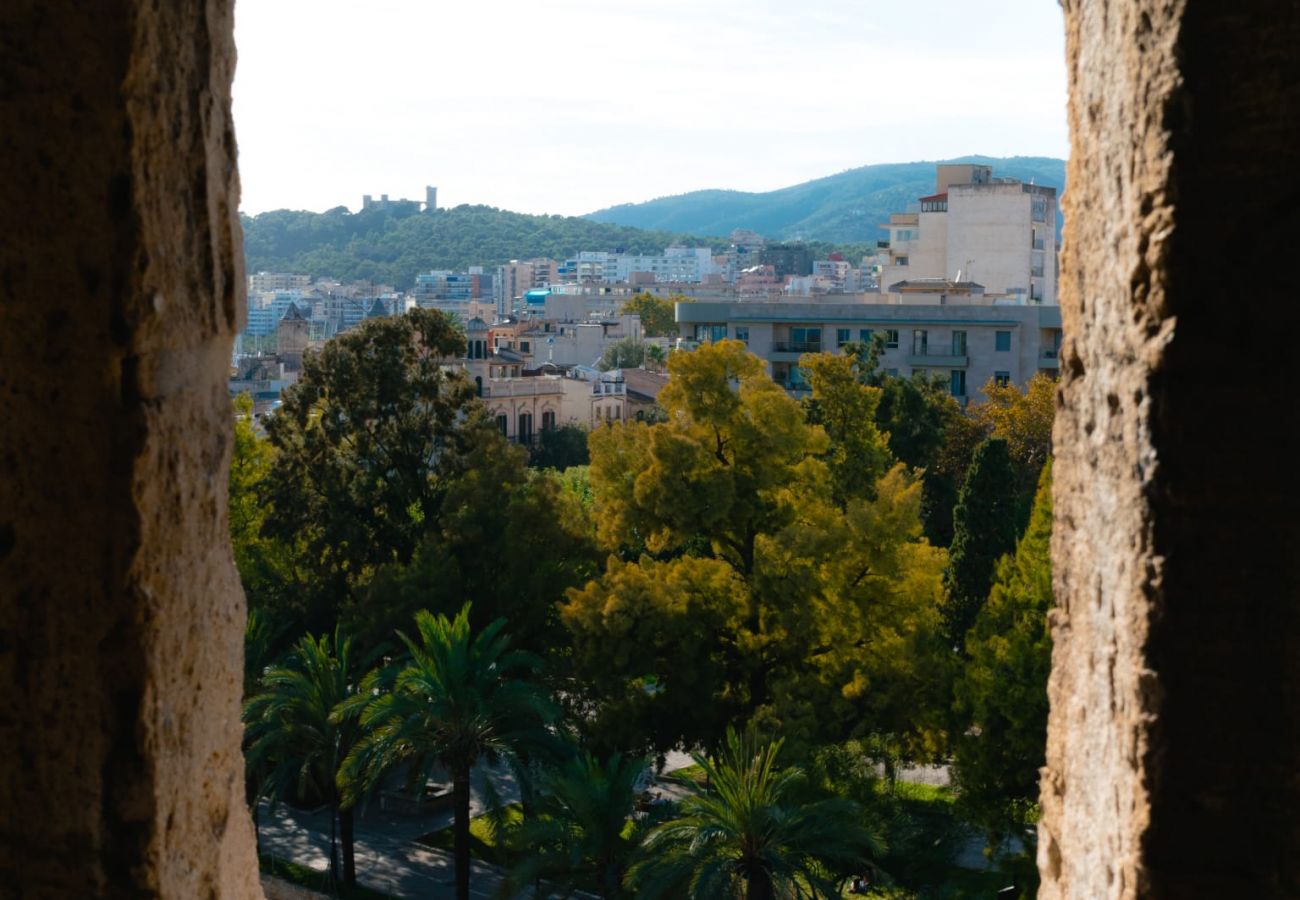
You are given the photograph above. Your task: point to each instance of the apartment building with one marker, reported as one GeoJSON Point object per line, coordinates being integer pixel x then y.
{"type": "Point", "coordinates": [998, 232]}
{"type": "Point", "coordinates": [265, 282]}
{"type": "Point", "coordinates": [517, 277]}
{"type": "Point", "coordinates": [968, 343]}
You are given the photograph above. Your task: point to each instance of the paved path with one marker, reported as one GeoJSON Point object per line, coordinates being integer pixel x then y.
{"type": "Point", "coordinates": [388, 857]}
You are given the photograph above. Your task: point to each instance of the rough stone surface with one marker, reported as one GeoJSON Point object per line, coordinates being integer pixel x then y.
{"type": "Point", "coordinates": [120, 611]}
{"type": "Point", "coordinates": [1173, 759]}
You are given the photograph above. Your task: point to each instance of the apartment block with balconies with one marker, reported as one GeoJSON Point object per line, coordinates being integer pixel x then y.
{"type": "Point", "coordinates": [968, 344]}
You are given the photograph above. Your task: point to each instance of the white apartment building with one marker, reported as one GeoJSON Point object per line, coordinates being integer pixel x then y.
{"type": "Point", "coordinates": [967, 341]}
{"type": "Point", "coordinates": [263, 282]}
{"type": "Point", "coordinates": [998, 232]}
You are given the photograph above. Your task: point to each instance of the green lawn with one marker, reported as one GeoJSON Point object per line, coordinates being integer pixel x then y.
{"type": "Point", "coordinates": [482, 837]}
{"type": "Point", "coordinates": [315, 879]}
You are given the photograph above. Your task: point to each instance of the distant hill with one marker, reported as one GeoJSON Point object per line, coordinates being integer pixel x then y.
{"type": "Point", "coordinates": [391, 246]}
{"type": "Point", "coordinates": [843, 208]}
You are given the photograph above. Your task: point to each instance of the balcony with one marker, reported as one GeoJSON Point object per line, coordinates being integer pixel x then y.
{"type": "Point", "coordinates": [937, 357]}
{"type": "Point", "coordinates": [796, 346]}
{"type": "Point", "coordinates": [1050, 359]}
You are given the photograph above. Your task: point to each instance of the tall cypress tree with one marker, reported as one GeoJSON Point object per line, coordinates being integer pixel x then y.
{"type": "Point", "coordinates": [984, 529]}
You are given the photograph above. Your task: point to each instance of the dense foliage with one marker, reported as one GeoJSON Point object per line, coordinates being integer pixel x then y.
{"type": "Point", "coordinates": [984, 528]}
{"type": "Point", "coordinates": [1001, 693]}
{"type": "Point", "coordinates": [745, 562]}
{"type": "Point", "coordinates": [750, 581]}
{"type": "Point", "coordinates": [391, 246]}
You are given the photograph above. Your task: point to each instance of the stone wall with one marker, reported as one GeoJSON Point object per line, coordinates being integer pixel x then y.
{"type": "Point", "coordinates": [120, 611]}
{"type": "Point", "coordinates": [1174, 740]}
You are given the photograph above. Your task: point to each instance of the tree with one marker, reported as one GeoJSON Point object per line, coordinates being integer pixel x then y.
{"type": "Point", "coordinates": [294, 736]}
{"type": "Point", "coordinates": [1001, 693]}
{"type": "Point", "coordinates": [654, 648]}
{"type": "Point", "coordinates": [658, 317]}
{"type": "Point", "coordinates": [845, 408]}
{"type": "Point", "coordinates": [1021, 418]}
{"type": "Point", "coordinates": [655, 357]}
{"type": "Point", "coordinates": [747, 833]}
{"type": "Point", "coordinates": [626, 354]}
{"type": "Point", "coordinates": [512, 538]}
{"type": "Point", "coordinates": [580, 836]}
{"type": "Point", "coordinates": [731, 498]}
{"type": "Point", "coordinates": [367, 444]}
{"type": "Point", "coordinates": [920, 419]}
{"type": "Point", "coordinates": [1024, 420]}
{"type": "Point", "coordinates": [459, 698]}
{"type": "Point", "coordinates": [561, 447]}
{"type": "Point", "coordinates": [984, 528]}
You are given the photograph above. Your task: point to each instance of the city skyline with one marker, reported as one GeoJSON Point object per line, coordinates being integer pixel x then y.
{"type": "Point", "coordinates": [577, 106]}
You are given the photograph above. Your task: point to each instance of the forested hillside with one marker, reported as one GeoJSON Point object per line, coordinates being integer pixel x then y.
{"type": "Point", "coordinates": [391, 246]}
{"type": "Point", "coordinates": [847, 207]}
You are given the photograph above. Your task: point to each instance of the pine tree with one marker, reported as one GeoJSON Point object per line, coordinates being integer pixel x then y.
{"type": "Point", "coordinates": [984, 529]}
{"type": "Point", "coordinates": [1001, 694]}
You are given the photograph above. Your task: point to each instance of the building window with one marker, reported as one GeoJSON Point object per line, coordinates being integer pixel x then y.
{"type": "Point", "coordinates": [892, 373]}
{"type": "Point", "coordinates": [842, 336]}
{"type": "Point", "coordinates": [959, 343]}
{"type": "Point", "coordinates": [503, 422]}
{"type": "Point", "coordinates": [864, 335]}
{"type": "Point", "coordinates": [806, 340]}
{"type": "Point", "coordinates": [478, 385]}
{"type": "Point", "coordinates": [1002, 379]}
{"type": "Point", "coordinates": [920, 342]}
{"type": "Point", "coordinates": [1002, 341]}
{"type": "Point", "coordinates": [710, 333]}
{"type": "Point", "coordinates": [742, 333]}
{"type": "Point", "coordinates": [900, 261]}
{"type": "Point", "coordinates": [525, 434]}
{"type": "Point", "coordinates": [959, 382]}
{"type": "Point", "coordinates": [891, 338]}
{"type": "Point", "coordinates": [523, 346]}
{"type": "Point", "coordinates": [548, 420]}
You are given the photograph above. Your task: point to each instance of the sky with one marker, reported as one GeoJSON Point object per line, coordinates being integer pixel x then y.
{"type": "Point", "coordinates": [568, 106]}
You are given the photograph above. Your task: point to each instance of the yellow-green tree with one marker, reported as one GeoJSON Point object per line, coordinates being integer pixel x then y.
{"type": "Point", "coordinates": [821, 579]}
{"type": "Point", "coordinates": [658, 316]}
{"type": "Point", "coordinates": [846, 408]}
{"type": "Point", "coordinates": [1024, 420]}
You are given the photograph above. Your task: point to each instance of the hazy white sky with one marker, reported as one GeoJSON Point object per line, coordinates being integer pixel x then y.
{"type": "Point", "coordinates": [568, 106]}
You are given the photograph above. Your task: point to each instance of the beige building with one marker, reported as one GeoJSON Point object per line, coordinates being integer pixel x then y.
{"type": "Point", "coordinates": [998, 232]}
{"type": "Point", "coordinates": [524, 407]}
{"type": "Point", "coordinates": [262, 282]}
{"type": "Point", "coordinates": [959, 335]}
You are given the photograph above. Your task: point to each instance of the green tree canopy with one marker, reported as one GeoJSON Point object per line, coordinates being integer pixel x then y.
{"type": "Point", "coordinates": [560, 448]}
{"type": "Point", "coordinates": [792, 593]}
{"type": "Point", "coordinates": [748, 835]}
{"type": "Point", "coordinates": [460, 697]}
{"type": "Point", "coordinates": [580, 836]}
{"type": "Point", "coordinates": [1001, 693]}
{"type": "Point", "coordinates": [628, 353]}
{"type": "Point", "coordinates": [367, 445]}
{"type": "Point", "coordinates": [295, 739]}
{"type": "Point", "coordinates": [658, 316]}
{"type": "Point", "coordinates": [984, 528]}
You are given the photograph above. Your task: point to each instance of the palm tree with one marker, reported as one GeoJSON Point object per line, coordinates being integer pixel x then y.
{"type": "Point", "coordinates": [459, 699]}
{"type": "Point", "coordinates": [579, 838]}
{"type": "Point", "coordinates": [746, 834]}
{"type": "Point", "coordinates": [295, 738]}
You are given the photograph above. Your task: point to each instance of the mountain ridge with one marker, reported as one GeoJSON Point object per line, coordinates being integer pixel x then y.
{"type": "Point", "coordinates": [846, 207]}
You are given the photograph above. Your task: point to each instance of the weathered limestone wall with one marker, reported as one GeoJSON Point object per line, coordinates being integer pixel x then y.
{"type": "Point", "coordinates": [1173, 761]}
{"type": "Point", "coordinates": [120, 611]}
